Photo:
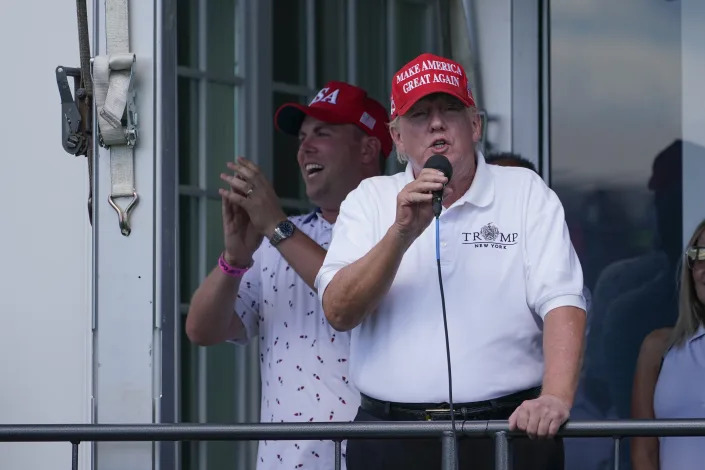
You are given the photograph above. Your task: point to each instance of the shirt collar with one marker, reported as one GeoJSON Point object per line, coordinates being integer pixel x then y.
{"type": "Point", "coordinates": [316, 216]}
{"type": "Point", "coordinates": [312, 216]}
{"type": "Point", "coordinates": [481, 191]}
{"type": "Point", "coordinates": [698, 334]}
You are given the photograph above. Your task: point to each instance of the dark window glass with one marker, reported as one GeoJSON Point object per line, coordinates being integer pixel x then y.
{"type": "Point", "coordinates": [616, 164]}
{"type": "Point", "coordinates": [289, 41]}
{"type": "Point", "coordinates": [287, 177]}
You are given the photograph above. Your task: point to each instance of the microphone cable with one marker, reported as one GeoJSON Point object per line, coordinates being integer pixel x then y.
{"type": "Point", "coordinates": [445, 328]}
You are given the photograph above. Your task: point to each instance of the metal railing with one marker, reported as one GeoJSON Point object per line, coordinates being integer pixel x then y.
{"type": "Point", "coordinates": [499, 430]}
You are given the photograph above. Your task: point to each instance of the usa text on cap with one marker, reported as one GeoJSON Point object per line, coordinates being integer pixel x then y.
{"type": "Point", "coordinates": [339, 103]}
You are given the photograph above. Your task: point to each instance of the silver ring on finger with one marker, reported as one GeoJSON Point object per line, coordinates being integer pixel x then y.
{"type": "Point", "coordinates": [249, 191]}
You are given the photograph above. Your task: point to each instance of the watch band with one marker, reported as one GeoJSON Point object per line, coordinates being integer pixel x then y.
{"type": "Point", "coordinates": [282, 231]}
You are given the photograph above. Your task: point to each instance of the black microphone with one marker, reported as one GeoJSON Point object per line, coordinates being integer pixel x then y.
{"type": "Point", "coordinates": [441, 163]}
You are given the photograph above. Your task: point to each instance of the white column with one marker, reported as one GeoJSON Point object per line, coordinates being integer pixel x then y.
{"type": "Point", "coordinates": [493, 20]}
{"type": "Point", "coordinates": [125, 361]}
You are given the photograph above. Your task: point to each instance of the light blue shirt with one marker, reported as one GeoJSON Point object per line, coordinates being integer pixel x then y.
{"type": "Point", "coordinates": [680, 394]}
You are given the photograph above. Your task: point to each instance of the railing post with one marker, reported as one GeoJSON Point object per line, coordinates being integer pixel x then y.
{"type": "Point", "coordinates": [449, 455]}
{"type": "Point", "coordinates": [74, 455]}
{"type": "Point", "coordinates": [338, 452]}
{"type": "Point", "coordinates": [501, 451]}
{"type": "Point", "coordinates": [617, 448]}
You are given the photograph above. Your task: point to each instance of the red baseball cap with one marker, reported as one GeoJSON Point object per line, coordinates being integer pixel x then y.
{"type": "Point", "coordinates": [339, 103]}
{"type": "Point", "coordinates": [427, 74]}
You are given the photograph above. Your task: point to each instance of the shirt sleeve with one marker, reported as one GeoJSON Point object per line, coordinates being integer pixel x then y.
{"type": "Point", "coordinates": [249, 299]}
{"type": "Point", "coordinates": [354, 234]}
{"type": "Point", "coordinates": [554, 276]}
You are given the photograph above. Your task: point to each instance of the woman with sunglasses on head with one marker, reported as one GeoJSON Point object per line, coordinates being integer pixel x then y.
{"type": "Point", "coordinates": [670, 376]}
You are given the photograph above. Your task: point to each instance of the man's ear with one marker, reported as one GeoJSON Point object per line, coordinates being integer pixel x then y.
{"type": "Point", "coordinates": [371, 148]}
{"type": "Point", "coordinates": [396, 138]}
{"type": "Point", "coordinates": [476, 123]}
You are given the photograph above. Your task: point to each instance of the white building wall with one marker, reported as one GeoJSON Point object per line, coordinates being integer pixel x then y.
{"type": "Point", "coordinates": [494, 36]}
{"type": "Point", "coordinates": [45, 239]}
{"type": "Point", "coordinates": [127, 350]}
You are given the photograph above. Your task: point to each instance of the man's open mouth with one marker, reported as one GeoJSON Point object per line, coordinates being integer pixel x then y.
{"type": "Point", "coordinates": [312, 168]}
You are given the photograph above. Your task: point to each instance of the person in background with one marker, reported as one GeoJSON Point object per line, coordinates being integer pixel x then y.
{"type": "Point", "coordinates": [669, 382]}
{"type": "Point", "coordinates": [265, 290]}
{"type": "Point", "coordinates": [510, 159]}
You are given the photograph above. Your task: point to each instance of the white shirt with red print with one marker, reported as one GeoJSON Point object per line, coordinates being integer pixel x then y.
{"type": "Point", "coordinates": [303, 361]}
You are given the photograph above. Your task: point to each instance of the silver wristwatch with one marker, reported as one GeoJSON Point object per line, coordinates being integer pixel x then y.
{"type": "Point", "coordinates": [283, 230]}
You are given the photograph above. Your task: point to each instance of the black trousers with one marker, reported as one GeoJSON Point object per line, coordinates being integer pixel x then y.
{"type": "Point", "coordinates": [425, 454]}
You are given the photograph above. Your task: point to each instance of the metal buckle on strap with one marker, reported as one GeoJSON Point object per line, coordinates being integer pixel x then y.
{"type": "Point", "coordinates": [124, 214]}
{"type": "Point", "coordinates": [127, 123]}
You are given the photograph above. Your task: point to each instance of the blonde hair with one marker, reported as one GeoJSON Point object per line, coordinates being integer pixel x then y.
{"type": "Point", "coordinates": [394, 125]}
{"type": "Point", "coordinates": [691, 311]}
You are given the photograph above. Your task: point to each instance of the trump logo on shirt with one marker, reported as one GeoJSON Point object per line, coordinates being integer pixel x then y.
{"type": "Point", "coordinates": [490, 236]}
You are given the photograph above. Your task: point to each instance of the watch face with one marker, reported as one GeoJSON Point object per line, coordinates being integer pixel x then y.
{"type": "Point", "coordinates": [286, 228]}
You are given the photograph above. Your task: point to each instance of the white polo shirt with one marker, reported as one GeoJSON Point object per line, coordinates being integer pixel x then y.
{"type": "Point", "coordinates": [303, 360]}
{"type": "Point", "coordinates": [506, 260]}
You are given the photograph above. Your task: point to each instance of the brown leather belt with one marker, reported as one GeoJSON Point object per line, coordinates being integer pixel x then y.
{"type": "Point", "coordinates": [498, 408]}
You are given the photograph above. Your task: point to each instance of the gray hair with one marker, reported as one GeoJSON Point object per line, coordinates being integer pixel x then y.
{"type": "Point", "coordinates": [394, 125]}
{"type": "Point", "coordinates": [691, 311]}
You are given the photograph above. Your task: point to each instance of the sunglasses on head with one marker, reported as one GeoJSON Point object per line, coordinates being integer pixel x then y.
{"type": "Point", "coordinates": [695, 253]}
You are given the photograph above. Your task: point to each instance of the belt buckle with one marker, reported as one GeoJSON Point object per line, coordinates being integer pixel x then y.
{"type": "Point", "coordinates": [429, 411]}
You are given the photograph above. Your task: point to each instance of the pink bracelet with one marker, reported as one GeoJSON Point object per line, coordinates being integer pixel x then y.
{"type": "Point", "coordinates": [232, 271]}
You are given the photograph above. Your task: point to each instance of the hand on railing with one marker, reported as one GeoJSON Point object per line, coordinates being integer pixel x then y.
{"type": "Point", "coordinates": [540, 417]}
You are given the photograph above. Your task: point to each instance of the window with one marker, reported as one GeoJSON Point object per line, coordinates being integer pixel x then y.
{"type": "Point", "coordinates": [210, 83]}
{"type": "Point", "coordinates": [620, 149]}
{"type": "Point", "coordinates": [312, 42]}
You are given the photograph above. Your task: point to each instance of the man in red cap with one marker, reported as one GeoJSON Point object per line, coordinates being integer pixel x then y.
{"type": "Point", "coordinates": [266, 289]}
{"type": "Point", "coordinates": [512, 281]}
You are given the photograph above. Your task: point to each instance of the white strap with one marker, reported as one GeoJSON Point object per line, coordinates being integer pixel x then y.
{"type": "Point", "coordinates": [117, 26]}
{"type": "Point", "coordinates": [112, 78]}
{"type": "Point", "coordinates": [122, 172]}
